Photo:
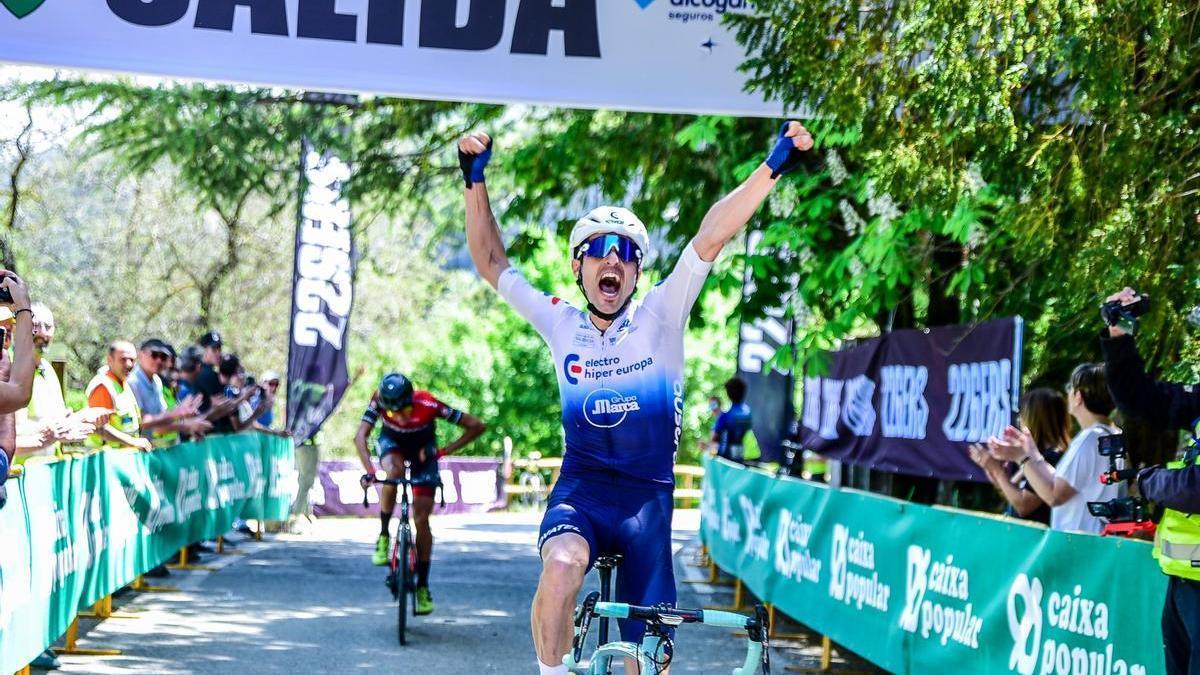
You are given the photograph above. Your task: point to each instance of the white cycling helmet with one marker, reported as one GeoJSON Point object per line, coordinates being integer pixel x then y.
{"type": "Point", "coordinates": [610, 220]}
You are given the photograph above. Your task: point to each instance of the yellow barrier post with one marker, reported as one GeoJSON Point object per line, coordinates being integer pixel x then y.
{"type": "Point", "coordinates": [826, 653]}
{"type": "Point", "coordinates": [221, 548]}
{"type": "Point", "coordinates": [258, 530]}
{"type": "Point", "coordinates": [72, 649]}
{"type": "Point", "coordinates": [103, 609]}
{"type": "Point", "coordinates": [183, 563]}
{"type": "Point", "coordinates": [139, 584]}
{"type": "Point", "coordinates": [23, 671]}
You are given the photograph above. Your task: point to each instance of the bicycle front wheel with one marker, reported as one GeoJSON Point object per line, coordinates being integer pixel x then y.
{"type": "Point", "coordinates": [404, 583]}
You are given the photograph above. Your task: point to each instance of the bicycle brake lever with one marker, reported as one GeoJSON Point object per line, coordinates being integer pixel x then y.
{"type": "Point", "coordinates": [764, 622]}
{"type": "Point", "coordinates": [583, 622]}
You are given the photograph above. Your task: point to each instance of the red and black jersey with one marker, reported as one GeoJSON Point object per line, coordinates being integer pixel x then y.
{"type": "Point", "coordinates": [418, 430]}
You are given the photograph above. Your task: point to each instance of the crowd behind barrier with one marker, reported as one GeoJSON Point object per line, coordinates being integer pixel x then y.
{"type": "Point", "coordinates": [144, 398]}
{"type": "Point", "coordinates": [80, 527]}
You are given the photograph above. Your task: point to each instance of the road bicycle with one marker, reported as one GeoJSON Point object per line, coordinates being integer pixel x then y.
{"type": "Point", "coordinates": [402, 566]}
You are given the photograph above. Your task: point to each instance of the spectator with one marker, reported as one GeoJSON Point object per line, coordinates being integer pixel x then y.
{"type": "Point", "coordinates": [16, 375]}
{"type": "Point", "coordinates": [160, 423]}
{"type": "Point", "coordinates": [729, 433]}
{"type": "Point", "coordinates": [230, 374]}
{"type": "Point", "coordinates": [1044, 414]}
{"type": "Point", "coordinates": [191, 367]}
{"type": "Point", "coordinates": [1068, 487]}
{"type": "Point", "coordinates": [109, 389]}
{"type": "Point", "coordinates": [46, 423]}
{"type": "Point", "coordinates": [270, 385]}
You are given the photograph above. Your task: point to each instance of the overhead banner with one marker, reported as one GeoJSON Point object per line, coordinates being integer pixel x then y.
{"type": "Point", "coordinates": [78, 529]}
{"type": "Point", "coordinates": [918, 589]}
{"type": "Point", "coordinates": [575, 53]}
{"type": "Point", "coordinates": [322, 295]}
{"type": "Point", "coordinates": [913, 401]}
{"type": "Point", "coordinates": [769, 388]}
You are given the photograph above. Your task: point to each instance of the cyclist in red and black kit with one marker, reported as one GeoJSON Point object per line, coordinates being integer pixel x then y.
{"type": "Point", "coordinates": [408, 436]}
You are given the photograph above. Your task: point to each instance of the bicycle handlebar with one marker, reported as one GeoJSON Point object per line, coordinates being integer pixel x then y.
{"type": "Point", "coordinates": [756, 627]}
{"type": "Point", "coordinates": [404, 483]}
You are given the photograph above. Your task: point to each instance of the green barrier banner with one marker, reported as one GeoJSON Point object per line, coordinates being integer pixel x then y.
{"type": "Point", "coordinates": [919, 589]}
{"type": "Point", "coordinates": [78, 529]}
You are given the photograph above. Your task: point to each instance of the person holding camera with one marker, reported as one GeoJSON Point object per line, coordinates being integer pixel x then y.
{"type": "Point", "coordinates": [1175, 487]}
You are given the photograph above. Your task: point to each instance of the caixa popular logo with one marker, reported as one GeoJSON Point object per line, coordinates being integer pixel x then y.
{"type": "Point", "coordinates": [606, 408]}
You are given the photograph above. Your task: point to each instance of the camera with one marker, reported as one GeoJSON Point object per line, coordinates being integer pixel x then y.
{"type": "Point", "coordinates": [1126, 516]}
{"type": "Point", "coordinates": [1121, 510]}
{"type": "Point", "coordinates": [1126, 316]}
{"type": "Point", "coordinates": [5, 294]}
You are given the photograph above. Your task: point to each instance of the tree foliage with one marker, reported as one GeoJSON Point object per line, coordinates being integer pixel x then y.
{"type": "Point", "coordinates": [1054, 144]}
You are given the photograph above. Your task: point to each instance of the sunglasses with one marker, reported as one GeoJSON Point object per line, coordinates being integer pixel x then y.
{"type": "Point", "coordinates": [600, 247]}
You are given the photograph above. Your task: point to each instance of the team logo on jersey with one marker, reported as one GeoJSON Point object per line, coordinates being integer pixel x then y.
{"type": "Point", "coordinates": [606, 408]}
{"type": "Point", "coordinates": [571, 368]}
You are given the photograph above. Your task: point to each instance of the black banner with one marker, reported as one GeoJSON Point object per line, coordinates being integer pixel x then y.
{"type": "Point", "coordinates": [768, 389]}
{"type": "Point", "coordinates": [322, 294]}
{"type": "Point", "coordinates": [912, 401]}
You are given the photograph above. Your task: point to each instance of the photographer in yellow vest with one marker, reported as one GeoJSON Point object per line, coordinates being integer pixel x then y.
{"type": "Point", "coordinates": [1176, 487]}
{"type": "Point", "coordinates": [110, 389]}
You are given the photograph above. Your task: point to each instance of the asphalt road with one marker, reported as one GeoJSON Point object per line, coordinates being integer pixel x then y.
{"type": "Point", "coordinates": [315, 604]}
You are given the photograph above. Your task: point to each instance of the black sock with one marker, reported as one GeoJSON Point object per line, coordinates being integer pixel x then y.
{"type": "Point", "coordinates": [385, 519]}
{"type": "Point", "coordinates": [423, 573]}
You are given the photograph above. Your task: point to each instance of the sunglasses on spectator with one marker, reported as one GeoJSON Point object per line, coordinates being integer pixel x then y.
{"type": "Point", "coordinates": [159, 356]}
{"type": "Point", "coordinates": [600, 247]}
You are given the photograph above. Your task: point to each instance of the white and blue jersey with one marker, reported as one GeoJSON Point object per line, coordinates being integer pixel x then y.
{"type": "Point", "coordinates": [622, 389]}
{"type": "Point", "coordinates": [622, 410]}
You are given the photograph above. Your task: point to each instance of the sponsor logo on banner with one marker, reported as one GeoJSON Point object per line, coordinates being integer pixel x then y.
{"type": "Point", "coordinates": [21, 8]}
{"type": "Point", "coordinates": [853, 578]}
{"type": "Point", "coordinates": [792, 557]}
{"type": "Point", "coordinates": [905, 410]}
{"type": "Point", "coordinates": [981, 400]}
{"type": "Point", "coordinates": [1075, 628]}
{"type": "Point", "coordinates": [731, 532]}
{"type": "Point", "coordinates": [757, 545]}
{"type": "Point", "coordinates": [700, 11]}
{"type": "Point", "coordinates": [937, 600]}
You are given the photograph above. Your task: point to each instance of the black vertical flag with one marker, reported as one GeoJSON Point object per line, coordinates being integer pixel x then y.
{"type": "Point", "coordinates": [322, 294]}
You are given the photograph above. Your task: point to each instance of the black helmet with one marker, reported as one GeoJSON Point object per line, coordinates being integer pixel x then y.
{"type": "Point", "coordinates": [395, 392]}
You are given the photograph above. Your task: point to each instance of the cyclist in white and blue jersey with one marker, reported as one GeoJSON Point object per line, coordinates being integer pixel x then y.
{"type": "Point", "coordinates": [620, 377]}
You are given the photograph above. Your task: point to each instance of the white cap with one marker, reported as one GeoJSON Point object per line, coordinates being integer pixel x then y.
{"type": "Point", "coordinates": [269, 375]}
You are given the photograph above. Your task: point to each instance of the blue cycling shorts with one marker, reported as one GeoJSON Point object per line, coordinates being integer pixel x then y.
{"type": "Point", "coordinates": [617, 518]}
